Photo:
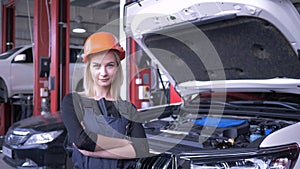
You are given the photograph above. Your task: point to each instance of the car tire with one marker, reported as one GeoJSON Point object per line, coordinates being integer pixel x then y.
{"type": "Point", "coordinates": [3, 92]}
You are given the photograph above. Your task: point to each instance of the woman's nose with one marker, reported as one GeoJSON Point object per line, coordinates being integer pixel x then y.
{"type": "Point", "coordinates": [102, 71]}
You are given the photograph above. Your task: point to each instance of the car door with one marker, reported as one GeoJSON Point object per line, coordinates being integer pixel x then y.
{"type": "Point", "coordinates": [22, 72]}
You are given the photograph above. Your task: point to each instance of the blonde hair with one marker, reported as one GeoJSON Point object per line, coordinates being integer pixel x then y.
{"type": "Point", "coordinates": [115, 88]}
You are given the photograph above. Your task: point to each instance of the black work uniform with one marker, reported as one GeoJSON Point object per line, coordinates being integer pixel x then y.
{"type": "Point", "coordinates": [85, 138]}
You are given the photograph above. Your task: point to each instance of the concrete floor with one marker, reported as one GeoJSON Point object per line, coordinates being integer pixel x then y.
{"type": "Point", "coordinates": [3, 165]}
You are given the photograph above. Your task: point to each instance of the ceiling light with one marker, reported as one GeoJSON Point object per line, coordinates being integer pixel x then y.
{"type": "Point", "coordinates": [78, 25]}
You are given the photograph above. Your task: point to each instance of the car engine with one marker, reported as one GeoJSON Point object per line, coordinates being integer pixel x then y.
{"type": "Point", "coordinates": [212, 132]}
{"type": "Point", "coordinates": [172, 139]}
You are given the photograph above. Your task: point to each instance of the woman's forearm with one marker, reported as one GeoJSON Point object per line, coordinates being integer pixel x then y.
{"type": "Point", "coordinates": [124, 152]}
{"type": "Point", "coordinates": [104, 142]}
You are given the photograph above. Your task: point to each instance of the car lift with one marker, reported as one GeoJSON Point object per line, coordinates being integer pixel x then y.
{"type": "Point", "coordinates": [54, 84]}
{"type": "Point", "coordinates": [8, 38]}
{"type": "Point", "coordinates": [57, 84]}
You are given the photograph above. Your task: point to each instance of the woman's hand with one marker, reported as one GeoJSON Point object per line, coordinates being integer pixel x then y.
{"type": "Point", "coordinates": [126, 152]}
{"type": "Point", "coordinates": [82, 124]}
{"type": "Point", "coordinates": [84, 152]}
{"type": "Point", "coordinates": [105, 143]}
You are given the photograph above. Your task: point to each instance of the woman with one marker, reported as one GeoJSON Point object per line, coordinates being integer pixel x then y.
{"type": "Point", "coordinates": [100, 135]}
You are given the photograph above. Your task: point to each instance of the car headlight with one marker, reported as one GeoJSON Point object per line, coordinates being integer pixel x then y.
{"type": "Point", "coordinates": [41, 138]}
{"type": "Point", "coordinates": [283, 157]}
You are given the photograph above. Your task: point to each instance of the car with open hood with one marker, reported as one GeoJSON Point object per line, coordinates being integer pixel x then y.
{"type": "Point", "coordinates": [235, 64]}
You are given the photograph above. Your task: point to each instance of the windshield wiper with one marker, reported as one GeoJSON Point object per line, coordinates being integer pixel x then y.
{"type": "Point", "coordinates": [212, 102]}
{"type": "Point", "coordinates": [234, 69]}
{"type": "Point", "coordinates": [289, 105]}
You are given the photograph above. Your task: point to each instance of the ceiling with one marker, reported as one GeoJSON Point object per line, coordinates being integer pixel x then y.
{"type": "Point", "coordinates": [99, 4]}
{"type": "Point", "coordinates": [95, 14]}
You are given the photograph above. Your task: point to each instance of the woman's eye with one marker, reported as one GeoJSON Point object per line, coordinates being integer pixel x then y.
{"type": "Point", "coordinates": [110, 65]}
{"type": "Point", "coordinates": [96, 66]}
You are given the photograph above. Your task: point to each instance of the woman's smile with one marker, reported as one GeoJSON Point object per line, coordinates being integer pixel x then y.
{"type": "Point", "coordinates": [103, 80]}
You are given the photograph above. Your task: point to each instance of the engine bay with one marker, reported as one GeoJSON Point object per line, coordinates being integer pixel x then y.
{"type": "Point", "coordinates": [183, 134]}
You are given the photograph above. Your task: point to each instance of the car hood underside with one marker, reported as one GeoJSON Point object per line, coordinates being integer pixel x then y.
{"type": "Point", "coordinates": [235, 48]}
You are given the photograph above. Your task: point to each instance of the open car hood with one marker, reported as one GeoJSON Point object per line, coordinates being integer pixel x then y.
{"type": "Point", "coordinates": [200, 42]}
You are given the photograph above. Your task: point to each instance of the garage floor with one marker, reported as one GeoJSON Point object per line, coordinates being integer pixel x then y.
{"type": "Point", "coordinates": [3, 165]}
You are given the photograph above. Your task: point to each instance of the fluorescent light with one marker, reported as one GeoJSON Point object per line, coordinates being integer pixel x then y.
{"type": "Point", "coordinates": [78, 25]}
{"type": "Point", "coordinates": [79, 30]}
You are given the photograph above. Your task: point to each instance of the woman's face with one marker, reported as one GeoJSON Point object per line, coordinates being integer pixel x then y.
{"type": "Point", "coordinates": [103, 68]}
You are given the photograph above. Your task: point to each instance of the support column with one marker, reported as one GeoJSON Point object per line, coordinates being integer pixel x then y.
{"type": "Point", "coordinates": [59, 73]}
{"type": "Point", "coordinates": [41, 52]}
{"type": "Point", "coordinates": [6, 117]}
{"type": "Point", "coordinates": [8, 42]}
{"type": "Point", "coordinates": [8, 26]}
{"type": "Point", "coordinates": [133, 93]}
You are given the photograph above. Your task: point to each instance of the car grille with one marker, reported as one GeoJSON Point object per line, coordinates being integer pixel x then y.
{"type": "Point", "coordinates": [162, 161]}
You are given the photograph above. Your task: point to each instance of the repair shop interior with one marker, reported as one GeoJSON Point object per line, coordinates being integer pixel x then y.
{"type": "Point", "coordinates": [210, 84]}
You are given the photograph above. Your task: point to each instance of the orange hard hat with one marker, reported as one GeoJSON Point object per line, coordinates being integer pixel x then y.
{"type": "Point", "coordinates": [102, 41]}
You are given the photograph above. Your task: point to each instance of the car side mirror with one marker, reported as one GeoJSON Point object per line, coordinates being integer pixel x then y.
{"type": "Point", "coordinates": [20, 58]}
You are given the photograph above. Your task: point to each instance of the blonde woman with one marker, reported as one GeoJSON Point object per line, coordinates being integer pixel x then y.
{"type": "Point", "coordinates": [103, 128]}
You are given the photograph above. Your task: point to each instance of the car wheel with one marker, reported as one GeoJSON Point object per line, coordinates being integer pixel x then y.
{"type": "Point", "coordinates": [3, 92]}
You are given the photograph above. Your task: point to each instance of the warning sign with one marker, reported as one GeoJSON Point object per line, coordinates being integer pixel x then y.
{"type": "Point", "coordinates": [144, 92]}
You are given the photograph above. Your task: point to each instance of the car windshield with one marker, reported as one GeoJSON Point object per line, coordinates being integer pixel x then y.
{"type": "Point", "coordinates": [5, 55]}
{"type": "Point", "coordinates": [229, 49]}
{"type": "Point", "coordinates": [269, 104]}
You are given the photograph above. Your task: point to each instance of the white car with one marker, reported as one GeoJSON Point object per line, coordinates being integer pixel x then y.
{"type": "Point", "coordinates": [17, 71]}
{"type": "Point", "coordinates": [236, 66]}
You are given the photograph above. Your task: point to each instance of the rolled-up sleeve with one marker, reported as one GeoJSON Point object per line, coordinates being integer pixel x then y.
{"type": "Point", "coordinates": [76, 133]}
{"type": "Point", "coordinates": [139, 140]}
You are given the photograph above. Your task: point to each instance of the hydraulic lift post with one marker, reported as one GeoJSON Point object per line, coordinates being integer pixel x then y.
{"type": "Point", "coordinates": [59, 72]}
{"type": "Point", "coordinates": [41, 51]}
{"type": "Point", "coordinates": [8, 39]}
{"type": "Point", "coordinates": [58, 83]}
{"type": "Point", "coordinates": [54, 14]}
{"type": "Point", "coordinates": [8, 25]}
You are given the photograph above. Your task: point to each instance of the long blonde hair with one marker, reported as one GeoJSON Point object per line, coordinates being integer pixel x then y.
{"type": "Point", "coordinates": [115, 88]}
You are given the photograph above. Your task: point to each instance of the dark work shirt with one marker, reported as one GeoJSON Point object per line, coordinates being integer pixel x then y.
{"type": "Point", "coordinates": [76, 133]}
{"type": "Point", "coordinates": [85, 140]}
